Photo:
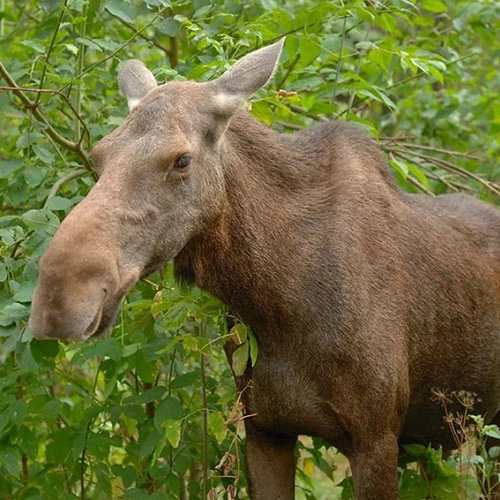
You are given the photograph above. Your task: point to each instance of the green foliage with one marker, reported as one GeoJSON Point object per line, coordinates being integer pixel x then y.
{"type": "Point", "coordinates": [137, 415]}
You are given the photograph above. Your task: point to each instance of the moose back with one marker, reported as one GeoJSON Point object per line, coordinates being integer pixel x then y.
{"type": "Point", "coordinates": [364, 300]}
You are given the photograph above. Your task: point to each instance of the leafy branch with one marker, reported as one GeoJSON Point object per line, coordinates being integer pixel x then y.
{"type": "Point", "coordinates": [34, 108]}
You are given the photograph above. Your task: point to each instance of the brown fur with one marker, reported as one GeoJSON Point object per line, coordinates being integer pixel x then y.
{"type": "Point", "coordinates": [363, 298]}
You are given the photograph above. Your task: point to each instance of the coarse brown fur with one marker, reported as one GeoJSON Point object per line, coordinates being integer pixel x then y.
{"type": "Point", "coordinates": [363, 299]}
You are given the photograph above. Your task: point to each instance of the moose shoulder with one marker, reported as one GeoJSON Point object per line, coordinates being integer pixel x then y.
{"type": "Point", "coordinates": [363, 299]}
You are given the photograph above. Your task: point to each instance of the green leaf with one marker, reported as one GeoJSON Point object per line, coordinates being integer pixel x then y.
{"type": "Point", "coordinates": [170, 27]}
{"type": "Point", "coordinates": [10, 459]}
{"type": "Point", "coordinates": [44, 154]}
{"type": "Point", "coordinates": [36, 46]}
{"type": "Point", "coordinates": [7, 168]}
{"type": "Point", "coordinates": [491, 431]}
{"type": "Point", "coordinates": [3, 272]}
{"type": "Point", "coordinates": [170, 409]}
{"type": "Point", "coordinates": [435, 6]}
{"type": "Point", "coordinates": [41, 220]}
{"type": "Point", "coordinates": [25, 292]}
{"type": "Point", "coordinates": [240, 359]}
{"type": "Point", "coordinates": [239, 333]}
{"type": "Point", "coordinates": [51, 411]}
{"type": "Point", "coordinates": [400, 166]}
{"type": "Point", "coordinates": [309, 51]}
{"type": "Point", "coordinates": [418, 174]}
{"type": "Point", "coordinates": [170, 345]}
{"type": "Point", "coordinates": [121, 9]}
{"type": "Point", "coordinates": [173, 431]}
{"type": "Point", "coordinates": [254, 347]}
{"type": "Point", "coordinates": [217, 426]}
{"type": "Point", "coordinates": [59, 203]}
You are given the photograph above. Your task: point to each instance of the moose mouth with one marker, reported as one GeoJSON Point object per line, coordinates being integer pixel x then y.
{"type": "Point", "coordinates": [103, 320]}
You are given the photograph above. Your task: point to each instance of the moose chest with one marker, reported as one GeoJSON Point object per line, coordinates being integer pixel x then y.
{"type": "Point", "coordinates": [283, 396]}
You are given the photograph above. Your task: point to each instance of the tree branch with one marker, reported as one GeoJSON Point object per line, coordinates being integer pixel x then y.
{"type": "Point", "coordinates": [34, 108]}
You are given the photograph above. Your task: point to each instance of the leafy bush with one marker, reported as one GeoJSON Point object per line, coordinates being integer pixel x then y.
{"type": "Point", "coordinates": [151, 412]}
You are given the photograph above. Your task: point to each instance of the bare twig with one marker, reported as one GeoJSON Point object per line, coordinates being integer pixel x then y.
{"type": "Point", "coordinates": [419, 185]}
{"type": "Point", "coordinates": [429, 148]}
{"type": "Point", "coordinates": [455, 168]}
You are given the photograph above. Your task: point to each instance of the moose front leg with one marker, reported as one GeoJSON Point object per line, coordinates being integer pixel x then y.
{"type": "Point", "coordinates": [270, 464]}
{"type": "Point", "coordinates": [374, 466]}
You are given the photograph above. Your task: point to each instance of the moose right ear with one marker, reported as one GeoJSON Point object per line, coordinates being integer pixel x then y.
{"type": "Point", "coordinates": [136, 81]}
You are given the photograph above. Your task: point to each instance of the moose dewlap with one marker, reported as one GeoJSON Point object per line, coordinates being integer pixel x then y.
{"type": "Point", "coordinates": [363, 298]}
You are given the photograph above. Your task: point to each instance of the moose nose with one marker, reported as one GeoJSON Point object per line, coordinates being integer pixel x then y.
{"type": "Point", "coordinates": [54, 317]}
{"type": "Point", "coordinates": [73, 291]}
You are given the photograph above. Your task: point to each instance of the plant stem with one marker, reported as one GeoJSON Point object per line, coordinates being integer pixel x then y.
{"type": "Point", "coordinates": [79, 69]}
{"type": "Point", "coordinates": [341, 49]}
{"type": "Point", "coordinates": [49, 52]}
{"type": "Point", "coordinates": [204, 480]}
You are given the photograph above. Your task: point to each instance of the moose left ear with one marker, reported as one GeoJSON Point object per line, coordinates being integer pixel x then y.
{"type": "Point", "coordinates": [247, 76]}
{"type": "Point", "coordinates": [135, 82]}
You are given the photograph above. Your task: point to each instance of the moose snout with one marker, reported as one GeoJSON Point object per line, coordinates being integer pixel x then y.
{"type": "Point", "coordinates": [77, 294]}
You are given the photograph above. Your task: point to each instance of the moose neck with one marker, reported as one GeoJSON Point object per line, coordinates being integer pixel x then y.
{"type": "Point", "coordinates": [264, 256]}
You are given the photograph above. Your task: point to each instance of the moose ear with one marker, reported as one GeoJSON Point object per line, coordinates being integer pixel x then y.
{"type": "Point", "coordinates": [135, 82]}
{"type": "Point", "coordinates": [247, 76]}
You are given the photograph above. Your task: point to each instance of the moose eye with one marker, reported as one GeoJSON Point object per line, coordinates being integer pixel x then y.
{"type": "Point", "coordinates": [182, 162]}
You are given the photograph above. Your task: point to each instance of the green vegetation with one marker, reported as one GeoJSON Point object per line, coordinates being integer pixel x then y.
{"type": "Point", "coordinates": [151, 412]}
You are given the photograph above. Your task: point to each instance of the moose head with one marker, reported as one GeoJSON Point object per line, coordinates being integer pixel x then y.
{"type": "Point", "coordinates": [161, 181]}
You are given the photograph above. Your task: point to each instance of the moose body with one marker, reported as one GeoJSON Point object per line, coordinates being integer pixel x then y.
{"type": "Point", "coordinates": [364, 299]}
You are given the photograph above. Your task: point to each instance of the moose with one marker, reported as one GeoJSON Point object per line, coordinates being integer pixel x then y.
{"type": "Point", "coordinates": [363, 299]}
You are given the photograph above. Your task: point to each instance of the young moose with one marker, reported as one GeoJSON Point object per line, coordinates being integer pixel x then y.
{"type": "Point", "coordinates": [363, 298]}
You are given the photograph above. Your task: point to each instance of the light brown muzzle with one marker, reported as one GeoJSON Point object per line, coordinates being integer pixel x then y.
{"type": "Point", "coordinates": [81, 282]}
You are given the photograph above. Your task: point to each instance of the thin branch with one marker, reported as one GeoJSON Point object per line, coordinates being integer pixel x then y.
{"type": "Point", "coordinates": [51, 91]}
{"type": "Point", "coordinates": [35, 110]}
{"type": "Point", "coordinates": [49, 52]}
{"type": "Point", "coordinates": [430, 148]}
{"type": "Point", "coordinates": [455, 168]}
{"type": "Point", "coordinates": [289, 70]}
{"type": "Point", "coordinates": [79, 68]}
{"type": "Point", "coordinates": [204, 424]}
{"type": "Point", "coordinates": [120, 48]}
{"type": "Point", "coordinates": [152, 40]}
{"type": "Point", "coordinates": [341, 49]}
{"type": "Point", "coordinates": [57, 185]}
{"type": "Point", "coordinates": [303, 111]}
{"type": "Point", "coordinates": [419, 185]}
